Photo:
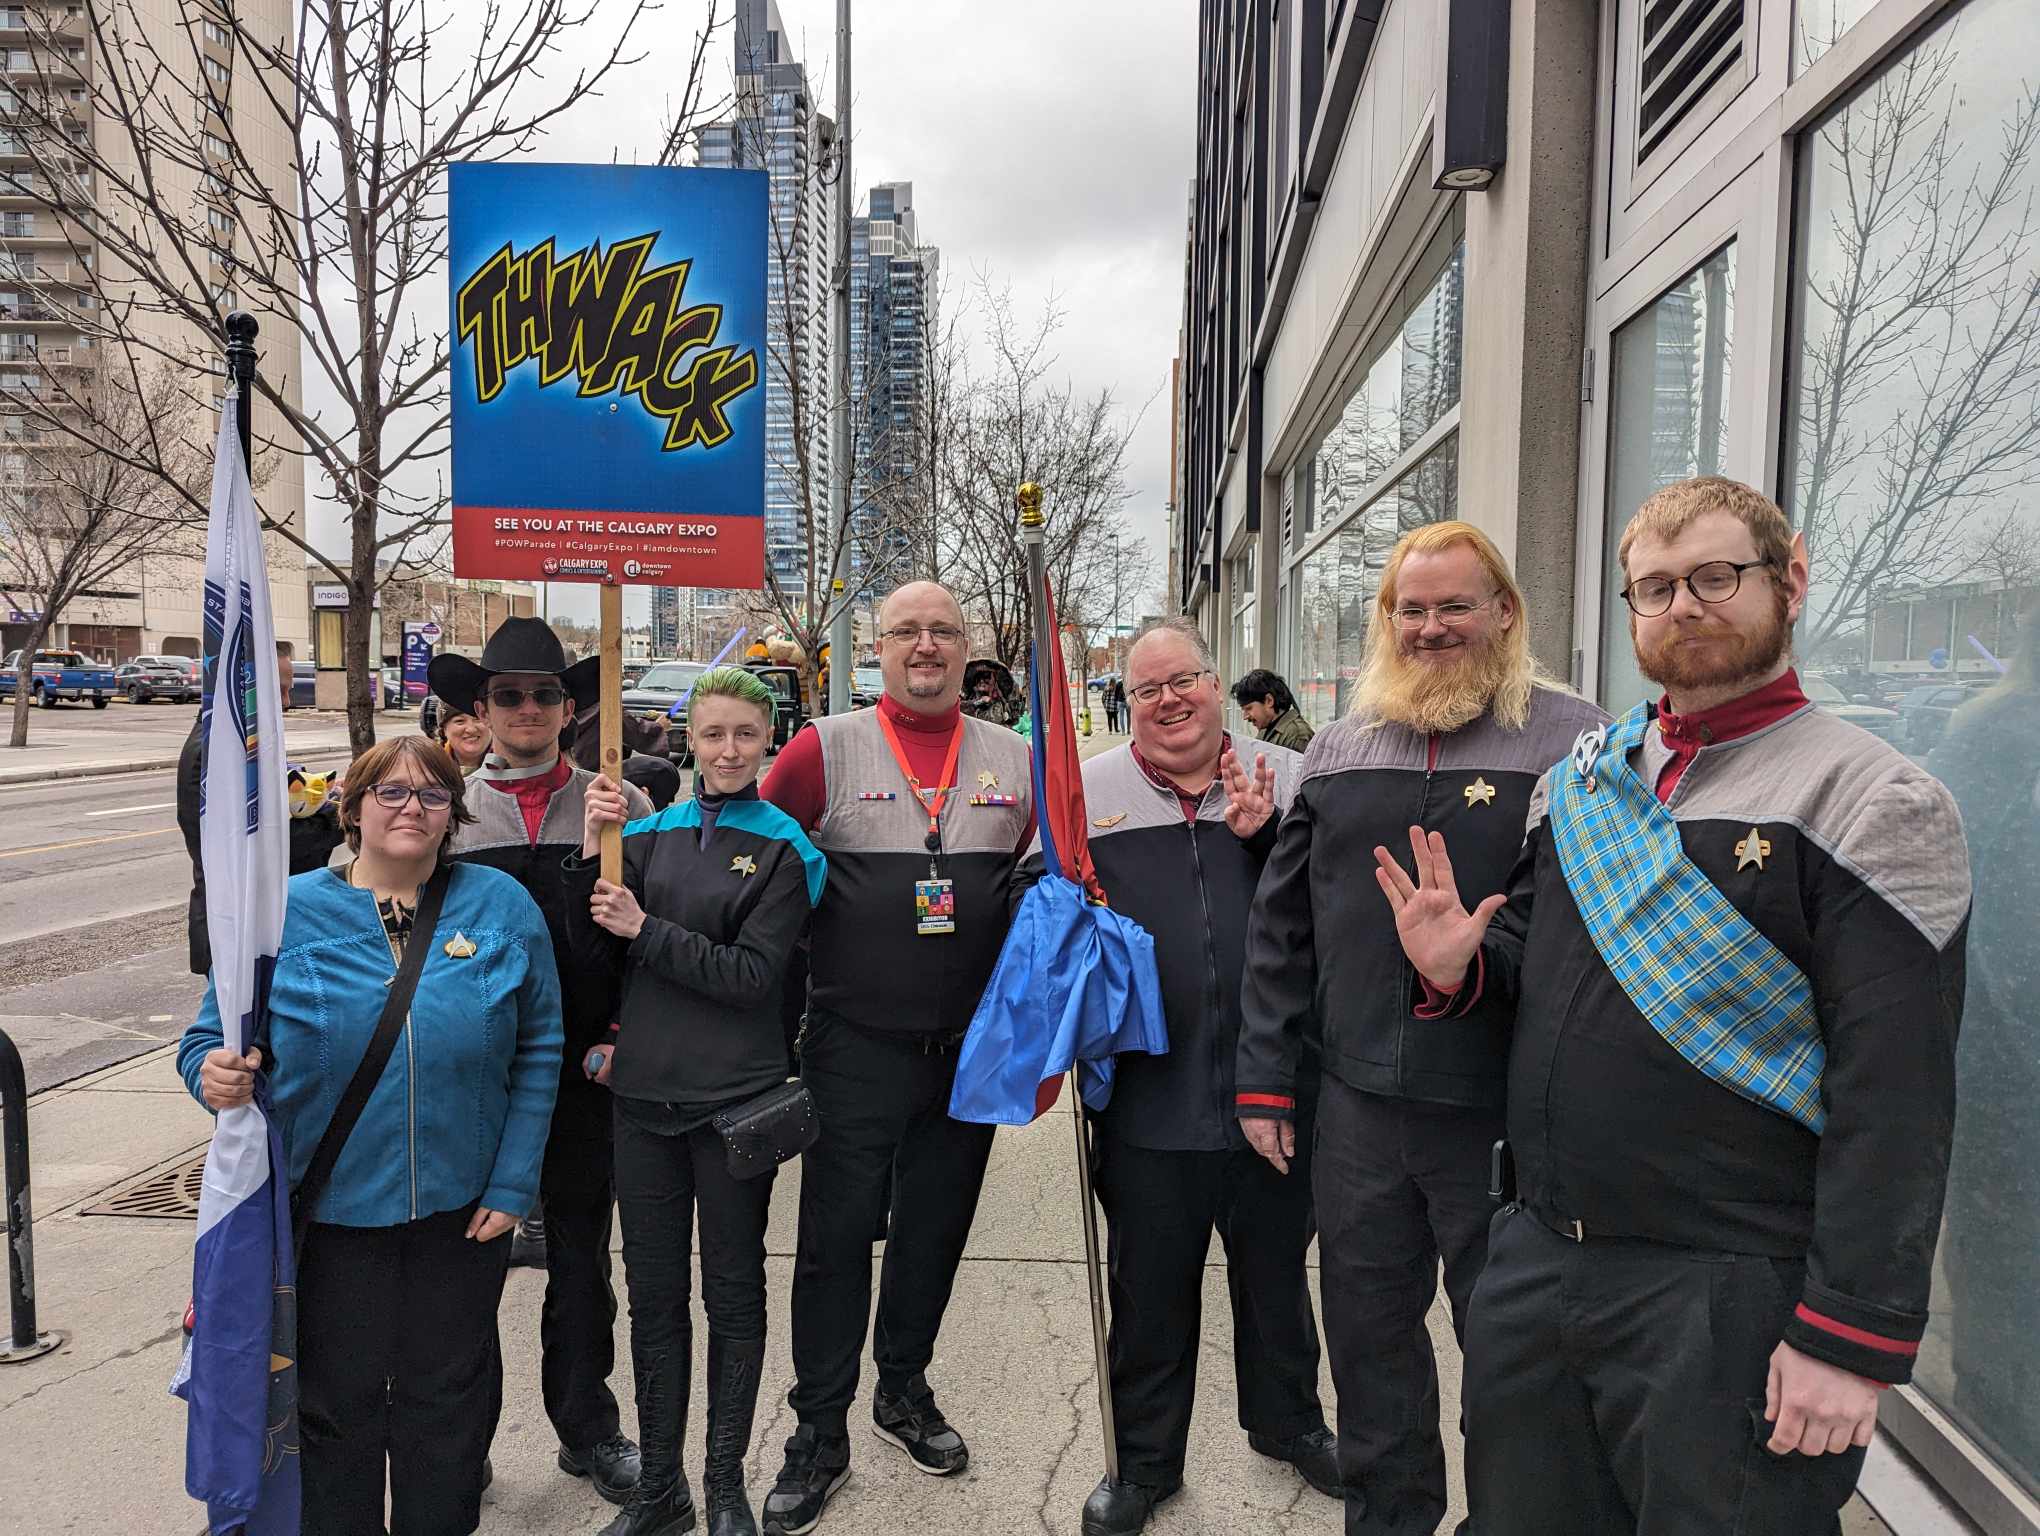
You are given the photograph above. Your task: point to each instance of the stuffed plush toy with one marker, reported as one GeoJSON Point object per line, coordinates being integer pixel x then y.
{"type": "Point", "coordinates": [308, 792]}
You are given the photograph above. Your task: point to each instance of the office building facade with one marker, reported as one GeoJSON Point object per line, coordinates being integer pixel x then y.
{"type": "Point", "coordinates": [894, 286]}
{"type": "Point", "coordinates": [1789, 243]}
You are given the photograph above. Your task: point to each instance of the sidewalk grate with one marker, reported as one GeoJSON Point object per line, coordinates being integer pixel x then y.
{"type": "Point", "coordinates": [169, 1192]}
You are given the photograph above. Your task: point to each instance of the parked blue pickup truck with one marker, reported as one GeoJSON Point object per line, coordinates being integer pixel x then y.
{"type": "Point", "coordinates": [59, 675]}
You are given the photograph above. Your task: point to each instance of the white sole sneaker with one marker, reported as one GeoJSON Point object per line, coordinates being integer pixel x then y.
{"type": "Point", "coordinates": [894, 1440]}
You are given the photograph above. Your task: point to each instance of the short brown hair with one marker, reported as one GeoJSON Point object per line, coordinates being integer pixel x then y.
{"type": "Point", "coordinates": [1671, 511]}
{"type": "Point", "coordinates": [380, 761]}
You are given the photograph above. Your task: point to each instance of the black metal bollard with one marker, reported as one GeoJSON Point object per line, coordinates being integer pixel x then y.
{"type": "Point", "coordinates": [24, 1343]}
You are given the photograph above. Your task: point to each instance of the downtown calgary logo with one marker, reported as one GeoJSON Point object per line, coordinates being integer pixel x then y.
{"type": "Point", "coordinates": [605, 320]}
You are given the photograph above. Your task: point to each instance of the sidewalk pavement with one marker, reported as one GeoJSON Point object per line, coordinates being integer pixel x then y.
{"type": "Point", "coordinates": [142, 739]}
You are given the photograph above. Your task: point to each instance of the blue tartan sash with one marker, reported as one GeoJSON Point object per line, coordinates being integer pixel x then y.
{"type": "Point", "coordinates": [1717, 991]}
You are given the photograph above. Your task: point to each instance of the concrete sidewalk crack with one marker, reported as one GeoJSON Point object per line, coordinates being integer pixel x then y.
{"type": "Point", "coordinates": [126, 1354]}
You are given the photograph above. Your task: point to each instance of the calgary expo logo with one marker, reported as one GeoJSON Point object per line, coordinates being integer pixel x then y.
{"type": "Point", "coordinates": [605, 320]}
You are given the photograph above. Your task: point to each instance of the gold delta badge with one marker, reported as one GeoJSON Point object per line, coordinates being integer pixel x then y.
{"type": "Point", "coordinates": [744, 865]}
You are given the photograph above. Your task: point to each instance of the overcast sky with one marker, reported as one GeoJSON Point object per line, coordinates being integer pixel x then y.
{"type": "Point", "coordinates": [1049, 143]}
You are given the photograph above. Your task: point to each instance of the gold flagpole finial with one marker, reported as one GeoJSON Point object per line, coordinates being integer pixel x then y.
{"type": "Point", "coordinates": [1028, 499]}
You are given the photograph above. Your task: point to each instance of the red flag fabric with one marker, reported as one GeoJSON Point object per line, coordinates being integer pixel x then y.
{"type": "Point", "coordinates": [1055, 743]}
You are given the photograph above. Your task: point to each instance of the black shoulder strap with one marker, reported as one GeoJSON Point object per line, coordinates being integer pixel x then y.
{"type": "Point", "coordinates": [396, 1007]}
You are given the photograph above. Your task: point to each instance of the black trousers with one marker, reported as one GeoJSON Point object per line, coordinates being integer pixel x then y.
{"type": "Point", "coordinates": [1399, 1185]}
{"type": "Point", "coordinates": [577, 1321]}
{"type": "Point", "coordinates": [1162, 1208]}
{"type": "Point", "coordinates": [663, 1182]}
{"type": "Point", "coordinates": [1616, 1388]}
{"type": "Point", "coordinates": [883, 1103]}
{"type": "Point", "coordinates": [397, 1367]}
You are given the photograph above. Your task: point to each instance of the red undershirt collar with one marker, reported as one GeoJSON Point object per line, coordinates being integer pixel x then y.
{"type": "Point", "coordinates": [1190, 802]}
{"type": "Point", "coordinates": [1764, 706]}
{"type": "Point", "coordinates": [907, 720]}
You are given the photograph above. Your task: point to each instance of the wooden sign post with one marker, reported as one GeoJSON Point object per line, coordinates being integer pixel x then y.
{"type": "Point", "coordinates": [612, 719]}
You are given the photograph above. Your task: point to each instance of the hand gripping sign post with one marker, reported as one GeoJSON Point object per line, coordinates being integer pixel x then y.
{"type": "Point", "coordinates": [608, 386]}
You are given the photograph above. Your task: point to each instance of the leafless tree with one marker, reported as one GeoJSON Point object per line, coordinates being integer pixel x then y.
{"type": "Point", "coordinates": [1017, 423]}
{"type": "Point", "coordinates": [193, 217]}
{"type": "Point", "coordinates": [1921, 373]}
{"type": "Point", "coordinates": [74, 514]}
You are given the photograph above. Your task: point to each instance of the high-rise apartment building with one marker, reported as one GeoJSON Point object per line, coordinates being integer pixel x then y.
{"type": "Point", "coordinates": [50, 336]}
{"type": "Point", "coordinates": [774, 126]}
{"type": "Point", "coordinates": [893, 291]}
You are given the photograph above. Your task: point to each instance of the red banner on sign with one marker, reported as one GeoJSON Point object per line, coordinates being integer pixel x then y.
{"type": "Point", "coordinates": [631, 548]}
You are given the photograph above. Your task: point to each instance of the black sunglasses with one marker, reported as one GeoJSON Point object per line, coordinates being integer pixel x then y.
{"type": "Point", "coordinates": [545, 696]}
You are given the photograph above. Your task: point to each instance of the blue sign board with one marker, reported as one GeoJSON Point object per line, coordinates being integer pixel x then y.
{"type": "Point", "coordinates": [417, 657]}
{"type": "Point", "coordinates": [608, 336]}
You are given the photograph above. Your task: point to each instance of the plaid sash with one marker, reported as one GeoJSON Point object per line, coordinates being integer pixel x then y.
{"type": "Point", "coordinates": [1715, 988]}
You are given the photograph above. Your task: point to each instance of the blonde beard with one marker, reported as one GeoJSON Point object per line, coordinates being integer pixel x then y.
{"type": "Point", "coordinates": [1430, 699]}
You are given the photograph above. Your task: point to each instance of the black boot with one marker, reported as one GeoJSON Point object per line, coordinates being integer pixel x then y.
{"type": "Point", "coordinates": [733, 1374]}
{"type": "Point", "coordinates": [661, 1502]}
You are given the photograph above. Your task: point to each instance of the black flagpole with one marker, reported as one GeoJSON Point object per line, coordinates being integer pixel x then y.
{"type": "Point", "coordinates": [241, 329]}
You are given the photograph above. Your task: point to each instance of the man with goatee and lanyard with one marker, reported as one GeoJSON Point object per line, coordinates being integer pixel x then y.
{"type": "Point", "coordinates": [1732, 952]}
{"type": "Point", "coordinates": [1449, 729]}
{"type": "Point", "coordinates": [922, 813]}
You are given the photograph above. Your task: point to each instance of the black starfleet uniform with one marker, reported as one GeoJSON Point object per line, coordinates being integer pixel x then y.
{"type": "Point", "coordinates": [1172, 1165]}
{"type": "Point", "coordinates": [1671, 1232]}
{"type": "Point", "coordinates": [1411, 1103]}
{"type": "Point", "coordinates": [887, 1007]}
{"type": "Point", "coordinates": [577, 1321]}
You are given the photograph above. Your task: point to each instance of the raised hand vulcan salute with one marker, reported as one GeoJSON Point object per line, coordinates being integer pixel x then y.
{"type": "Point", "coordinates": [1438, 934]}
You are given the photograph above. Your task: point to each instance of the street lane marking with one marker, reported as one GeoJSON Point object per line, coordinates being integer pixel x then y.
{"type": "Point", "coordinates": [84, 842]}
{"type": "Point", "coordinates": [134, 810]}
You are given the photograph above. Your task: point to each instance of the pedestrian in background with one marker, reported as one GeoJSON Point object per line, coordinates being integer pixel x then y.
{"type": "Point", "coordinates": [716, 891]}
{"type": "Point", "coordinates": [1264, 698]}
{"type": "Point", "coordinates": [527, 801]}
{"type": "Point", "coordinates": [465, 738]}
{"type": "Point", "coordinates": [403, 1263]}
{"type": "Point", "coordinates": [313, 838]}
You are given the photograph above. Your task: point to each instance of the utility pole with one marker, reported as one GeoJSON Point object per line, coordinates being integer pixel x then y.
{"type": "Point", "coordinates": [842, 454]}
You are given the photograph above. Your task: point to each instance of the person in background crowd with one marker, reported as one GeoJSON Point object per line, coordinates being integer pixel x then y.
{"type": "Point", "coordinates": [1115, 692]}
{"type": "Point", "coordinates": [1730, 967]}
{"type": "Point", "coordinates": [1990, 761]}
{"type": "Point", "coordinates": [528, 804]}
{"type": "Point", "coordinates": [1450, 727]}
{"type": "Point", "coordinates": [923, 813]}
{"type": "Point", "coordinates": [645, 763]}
{"type": "Point", "coordinates": [1264, 698]}
{"type": "Point", "coordinates": [399, 1277]}
{"type": "Point", "coordinates": [464, 736]}
{"type": "Point", "coordinates": [715, 894]}
{"type": "Point", "coordinates": [313, 838]}
{"type": "Point", "coordinates": [1180, 836]}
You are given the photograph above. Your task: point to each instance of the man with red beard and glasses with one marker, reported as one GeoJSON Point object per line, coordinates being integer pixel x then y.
{"type": "Point", "coordinates": [1733, 954]}
{"type": "Point", "coordinates": [1449, 730]}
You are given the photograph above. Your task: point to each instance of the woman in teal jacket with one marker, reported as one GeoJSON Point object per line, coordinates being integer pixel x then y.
{"type": "Point", "coordinates": [402, 1270]}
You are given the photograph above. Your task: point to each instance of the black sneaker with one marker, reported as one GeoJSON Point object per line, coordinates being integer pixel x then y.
{"type": "Point", "coordinates": [527, 1243]}
{"type": "Point", "coordinates": [912, 1422]}
{"type": "Point", "coordinates": [1314, 1453]}
{"type": "Point", "coordinates": [814, 1469]}
{"type": "Point", "coordinates": [612, 1465]}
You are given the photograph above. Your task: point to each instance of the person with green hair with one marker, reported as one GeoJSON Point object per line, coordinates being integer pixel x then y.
{"type": "Point", "coordinates": [716, 891]}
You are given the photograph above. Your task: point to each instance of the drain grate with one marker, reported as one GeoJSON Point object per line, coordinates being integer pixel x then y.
{"type": "Point", "coordinates": [171, 1192]}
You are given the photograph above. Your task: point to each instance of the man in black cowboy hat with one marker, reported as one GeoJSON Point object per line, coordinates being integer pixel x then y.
{"type": "Point", "coordinates": [528, 808]}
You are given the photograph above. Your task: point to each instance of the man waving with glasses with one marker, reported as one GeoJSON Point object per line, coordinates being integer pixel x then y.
{"type": "Point", "coordinates": [922, 812]}
{"type": "Point", "coordinates": [527, 802]}
{"type": "Point", "coordinates": [1731, 964]}
{"type": "Point", "coordinates": [1448, 729]}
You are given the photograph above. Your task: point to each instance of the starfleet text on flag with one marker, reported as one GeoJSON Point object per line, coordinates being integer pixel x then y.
{"type": "Point", "coordinates": [608, 336]}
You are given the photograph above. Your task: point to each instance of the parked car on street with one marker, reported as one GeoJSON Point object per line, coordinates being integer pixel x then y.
{"type": "Point", "coordinates": [148, 678]}
{"type": "Point", "coordinates": [59, 675]}
{"type": "Point", "coordinates": [1923, 714]}
{"type": "Point", "coordinates": [304, 684]}
{"type": "Point", "coordinates": [1882, 723]}
{"type": "Point", "coordinates": [655, 694]}
{"type": "Point", "coordinates": [393, 688]}
{"type": "Point", "coordinates": [867, 686]}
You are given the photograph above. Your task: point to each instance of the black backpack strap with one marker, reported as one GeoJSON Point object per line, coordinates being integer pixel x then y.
{"type": "Point", "coordinates": [396, 1008]}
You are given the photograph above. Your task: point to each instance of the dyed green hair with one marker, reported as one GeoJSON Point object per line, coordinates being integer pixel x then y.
{"type": "Point", "coordinates": [733, 683]}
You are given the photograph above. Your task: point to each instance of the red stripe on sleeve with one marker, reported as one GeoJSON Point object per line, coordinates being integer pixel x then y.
{"type": "Point", "coordinates": [1868, 1340]}
{"type": "Point", "coordinates": [1266, 1100]}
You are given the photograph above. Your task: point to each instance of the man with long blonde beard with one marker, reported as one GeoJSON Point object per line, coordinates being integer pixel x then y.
{"type": "Point", "coordinates": [1731, 964]}
{"type": "Point", "coordinates": [1449, 731]}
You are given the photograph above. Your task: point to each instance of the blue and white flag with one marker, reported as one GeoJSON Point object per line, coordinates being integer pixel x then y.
{"type": "Point", "coordinates": [239, 1373]}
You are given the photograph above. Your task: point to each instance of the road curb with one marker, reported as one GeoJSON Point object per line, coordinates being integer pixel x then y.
{"type": "Point", "coordinates": [10, 777]}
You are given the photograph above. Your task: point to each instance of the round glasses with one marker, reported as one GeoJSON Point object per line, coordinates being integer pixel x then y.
{"type": "Point", "coordinates": [431, 797]}
{"type": "Point", "coordinates": [1715, 582]}
{"type": "Point", "coordinates": [1451, 615]}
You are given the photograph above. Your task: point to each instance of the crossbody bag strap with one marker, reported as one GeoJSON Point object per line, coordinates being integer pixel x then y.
{"type": "Point", "coordinates": [396, 1008]}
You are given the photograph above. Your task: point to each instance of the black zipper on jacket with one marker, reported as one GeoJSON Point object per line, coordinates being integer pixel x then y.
{"type": "Point", "coordinates": [1211, 995]}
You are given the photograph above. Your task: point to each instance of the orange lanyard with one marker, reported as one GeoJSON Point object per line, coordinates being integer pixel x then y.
{"type": "Point", "coordinates": [931, 799]}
